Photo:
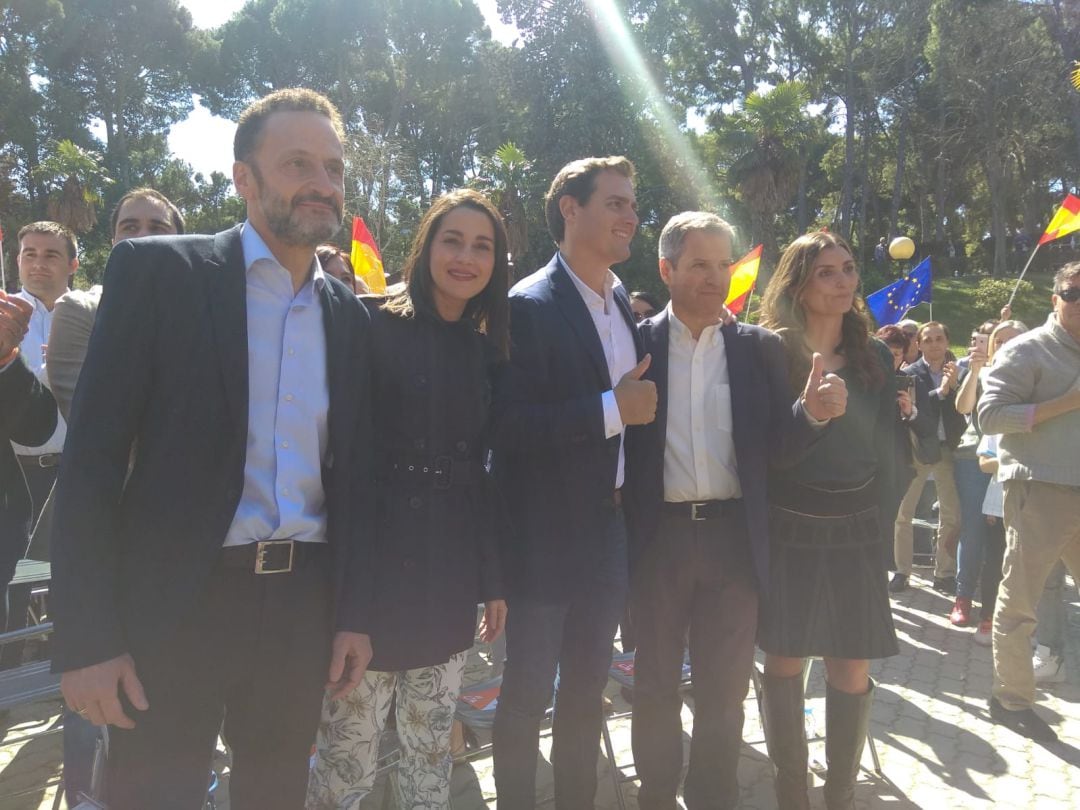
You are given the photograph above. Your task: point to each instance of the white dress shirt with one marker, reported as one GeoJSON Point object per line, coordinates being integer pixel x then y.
{"type": "Point", "coordinates": [30, 351]}
{"type": "Point", "coordinates": [288, 399]}
{"type": "Point", "coordinates": [699, 456]}
{"type": "Point", "coordinates": [619, 352]}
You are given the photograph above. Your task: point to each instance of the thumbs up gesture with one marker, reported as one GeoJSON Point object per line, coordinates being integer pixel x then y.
{"type": "Point", "coordinates": [636, 397]}
{"type": "Point", "coordinates": [825, 395]}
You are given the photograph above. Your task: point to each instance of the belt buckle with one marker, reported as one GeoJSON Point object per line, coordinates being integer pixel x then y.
{"type": "Point", "coordinates": [261, 549]}
{"type": "Point", "coordinates": [442, 475]}
{"type": "Point", "coordinates": [694, 511]}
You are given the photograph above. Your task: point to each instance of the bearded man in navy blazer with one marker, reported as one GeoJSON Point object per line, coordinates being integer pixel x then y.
{"type": "Point", "coordinates": [572, 386]}
{"type": "Point", "coordinates": [211, 536]}
{"type": "Point", "coordinates": [697, 512]}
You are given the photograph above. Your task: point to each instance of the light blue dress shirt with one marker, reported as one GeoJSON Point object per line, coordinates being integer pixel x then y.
{"type": "Point", "coordinates": [288, 399]}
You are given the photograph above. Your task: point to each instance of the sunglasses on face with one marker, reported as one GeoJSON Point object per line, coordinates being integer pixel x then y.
{"type": "Point", "coordinates": [1070, 294]}
{"type": "Point", "coordinates": [640, 316]}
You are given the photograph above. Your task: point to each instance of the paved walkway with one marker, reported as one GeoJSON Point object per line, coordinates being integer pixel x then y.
{"type": "Point", "coordinates": [938, 749]}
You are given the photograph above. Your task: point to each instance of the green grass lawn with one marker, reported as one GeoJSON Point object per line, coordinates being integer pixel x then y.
{"type": "Point", "coordinates": [961, 306]}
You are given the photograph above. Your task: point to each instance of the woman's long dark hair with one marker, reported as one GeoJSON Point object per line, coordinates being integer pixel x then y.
{"type": "Point", "coordinates": [490, 310]}
{"type": "Point", "coordinates": [782, 312]}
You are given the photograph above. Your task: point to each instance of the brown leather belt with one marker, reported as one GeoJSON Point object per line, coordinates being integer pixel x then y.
{"type": "Point", "coordinates": [271, 556]}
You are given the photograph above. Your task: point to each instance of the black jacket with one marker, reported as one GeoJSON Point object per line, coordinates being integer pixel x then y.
{"type": "Point", "coordinates": [437, 550]}
{"type": "Point", "coordinates": [931, 407]}
{"type": "Point", "coordinates": [769, 427]}
{"type": "Point", "coordinates": [27, 416]}
{"type": "Point", "coordinates": [166, 374]}
{"type": "Point", "coordinates": [554, 464]}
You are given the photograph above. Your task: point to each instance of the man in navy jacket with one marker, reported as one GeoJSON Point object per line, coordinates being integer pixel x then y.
{"type": "Point", "coordinates": [572, 386]}
{"type": "Point", "coordinates": [698, 515]}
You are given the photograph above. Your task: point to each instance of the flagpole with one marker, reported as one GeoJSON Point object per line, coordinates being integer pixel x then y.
{"type": "Point", "coordinates": [749, 301]}
{"type": "Point", "coordinates": [3, 273]}
{"type": "Point", "coordinates": [1022, 272]}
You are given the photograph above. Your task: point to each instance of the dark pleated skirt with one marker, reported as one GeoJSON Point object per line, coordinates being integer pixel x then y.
{"type": "Point", "coordinates": [828, 594]}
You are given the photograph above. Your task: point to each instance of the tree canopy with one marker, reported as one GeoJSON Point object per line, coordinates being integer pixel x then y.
{"type": "Point", "coordinates": [951, 121]}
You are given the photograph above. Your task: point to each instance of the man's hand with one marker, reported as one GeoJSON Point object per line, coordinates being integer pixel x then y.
{"type": "Point", "coordinates": [491, 626]}
{"type": "Point", "coordinates": [94, 692]}
{"type": "Point", "coordinates": [636, 397]}
{"type": "Point", "coordinates": [949, 373]}
{"type": "Point", "coordinates": [825, 395]}
{"type": "Point", "coordinates": [1006, 312]}
{"type": "Point", "coordinates": [348, 662]}
{"type": "Point", "coordinates": [14, 321]}
{"type": "Point", "coordinates": [903, 399]}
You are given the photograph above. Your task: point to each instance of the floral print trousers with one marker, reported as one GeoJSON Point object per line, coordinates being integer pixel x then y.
{"type": "Point", "coordinates": [347, 745]}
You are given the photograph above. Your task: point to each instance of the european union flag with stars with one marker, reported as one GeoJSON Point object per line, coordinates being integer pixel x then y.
{"type": "Point", "coordinates": [890, 304]}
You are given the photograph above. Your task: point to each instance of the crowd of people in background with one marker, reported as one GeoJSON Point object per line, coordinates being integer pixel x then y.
{"type": "Point", "coordinates": [273, 502]}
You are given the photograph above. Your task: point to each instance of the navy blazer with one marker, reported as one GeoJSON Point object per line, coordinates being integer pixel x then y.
{"type": "Point", "coordinates": [933, 407]}
{"type": "Point", "coordinates": [165, 386]}
{"type": "Point", "coordinates": [553, 462]}
{"type": "Point", "coordinates": [769, 428]}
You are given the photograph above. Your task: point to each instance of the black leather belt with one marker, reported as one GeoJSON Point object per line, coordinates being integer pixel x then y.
{"type": "Point", "coordinates": [703, 510]}
{"type": "Point", "coordinates": [271, 556]}
{"type": "Point", "coordinates": [45, 460]}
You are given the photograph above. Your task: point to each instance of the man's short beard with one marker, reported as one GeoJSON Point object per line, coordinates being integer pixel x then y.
{"type": "Point", "coordinates": [279, 219]}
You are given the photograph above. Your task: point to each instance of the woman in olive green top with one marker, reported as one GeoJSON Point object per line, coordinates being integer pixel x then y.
{"type": "Point", "coordinates": [827, 594]}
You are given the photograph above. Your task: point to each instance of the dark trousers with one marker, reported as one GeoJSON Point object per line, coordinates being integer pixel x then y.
{"type": "Point", "coordinates": [15, 600]}
{"type": "Point", "coordinates": [255, 651]}
{"type": "Point", "coordinates": [39, 480]}
{"type": "Point", "coordinates": [693, 583]}
{"type": "Point", "coordinates": [572, 638]}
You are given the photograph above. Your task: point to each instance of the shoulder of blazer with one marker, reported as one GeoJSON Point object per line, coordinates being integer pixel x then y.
{"type": "Point", "coordinates": [538, 285]}
{"type": "Point", "coordinates": [654, 330]}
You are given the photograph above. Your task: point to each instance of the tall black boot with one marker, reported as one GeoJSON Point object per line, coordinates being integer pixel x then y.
{"type": "Point", "coordinates": [847, 719]}
{"type": "Point", "coordinates": [785, 738]}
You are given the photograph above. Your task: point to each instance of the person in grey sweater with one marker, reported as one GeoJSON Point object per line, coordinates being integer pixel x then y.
{"type": "Point", "coordinates": [1032, 398]}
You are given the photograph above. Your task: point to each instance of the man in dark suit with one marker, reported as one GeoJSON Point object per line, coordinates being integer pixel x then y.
{"type": "Point", "coordinates": [572, 385]}
{"type": "Point", "coordinates": [697, 512]}
{"type": "Point", "coordinates": [225, 574]}
{"type": "Point", "coordinates": [939, 379]}
{"type": "Point", "coordinates": [27, 416]}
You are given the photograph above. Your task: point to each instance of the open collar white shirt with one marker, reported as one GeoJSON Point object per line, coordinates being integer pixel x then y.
{"type": "Point", "coordinates": [699, 455]}
{"type": "Point", "coordinates": [30, 351]}
{"type": "Point", "coordinates": [618, 343]}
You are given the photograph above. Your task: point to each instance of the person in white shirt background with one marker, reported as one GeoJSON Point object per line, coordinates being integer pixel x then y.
{"type": "Point", "coordinates": [47, 259]}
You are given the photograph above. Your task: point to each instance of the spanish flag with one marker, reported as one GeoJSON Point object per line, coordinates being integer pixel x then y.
{"type": "Point", "coordinates": [743, 276]}
{"type": "Point", "coordinates": [1065, 221]}
{"type": "Point", "coordinates": [366, 261]}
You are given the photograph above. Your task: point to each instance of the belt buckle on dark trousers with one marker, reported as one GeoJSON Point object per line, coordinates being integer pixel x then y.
{"type": "Point", "coordinates": [267, 547]}
{"type": "Point", "coordinates": [694, 511]}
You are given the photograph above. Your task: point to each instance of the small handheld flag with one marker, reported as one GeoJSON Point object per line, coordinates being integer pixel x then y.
{"type": "Point", "coordinates": [1065, 221]}
{"type": "Point", "coordinates": [366, 261]}
{"type": "Point", "coordinates": [743, 277]}
{"type": "Point", "coordinates": [889, 304]}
